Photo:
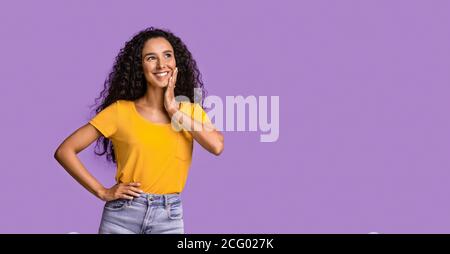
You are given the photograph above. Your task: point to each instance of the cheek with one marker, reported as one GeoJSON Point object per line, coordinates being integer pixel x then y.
{"type": "Point", "coordinates": [147, 67]}
{"type": "Point", "coordinates": [172, 62]}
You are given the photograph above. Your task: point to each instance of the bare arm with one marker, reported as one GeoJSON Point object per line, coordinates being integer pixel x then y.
{"type": "Point", "coordinates": [66, 155]}
{"type": "Point", "coordinates": [206, 135]}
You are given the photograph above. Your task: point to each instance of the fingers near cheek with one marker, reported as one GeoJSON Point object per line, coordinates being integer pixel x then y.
{"type": "Point", "coordinates": [175, 76]}
{"type": "Point", "coordinates": [171, 81]}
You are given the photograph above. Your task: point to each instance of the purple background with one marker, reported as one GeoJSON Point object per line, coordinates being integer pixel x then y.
{"type": "Point", "coordinates": [364, 124]}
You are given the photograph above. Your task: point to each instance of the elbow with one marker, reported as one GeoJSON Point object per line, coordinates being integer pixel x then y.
{"type": "Point", "coordinates": [57, 154]}
{"type": "Point", "coordinates": [218, 149]}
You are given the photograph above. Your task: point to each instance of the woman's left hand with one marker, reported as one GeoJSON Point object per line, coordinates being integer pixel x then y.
{"type": "Point", "coordinates": [170, 103]}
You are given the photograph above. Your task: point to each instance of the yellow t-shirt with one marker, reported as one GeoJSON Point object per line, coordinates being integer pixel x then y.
{"type": "Point", "coordinates": [154, 154]}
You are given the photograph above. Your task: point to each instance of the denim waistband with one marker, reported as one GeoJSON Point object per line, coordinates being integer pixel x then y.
{"type": "Point", "coordinates": [162, 199]}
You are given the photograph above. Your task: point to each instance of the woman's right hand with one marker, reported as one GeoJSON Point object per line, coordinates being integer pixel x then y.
{"type": "Point", "coordinates": [121, 190]}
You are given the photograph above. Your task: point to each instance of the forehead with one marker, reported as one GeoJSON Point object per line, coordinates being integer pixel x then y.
{"type": "Point", "coordinates": [156, 45]}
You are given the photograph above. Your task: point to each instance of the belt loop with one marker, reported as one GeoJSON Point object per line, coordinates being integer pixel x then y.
{"type": "Point", "coordinates": [166, 201]}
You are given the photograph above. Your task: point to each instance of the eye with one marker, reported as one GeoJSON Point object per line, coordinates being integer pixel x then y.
{"type": "Point", "coordinates": [151, 58]}
{"type": "Point", "coordinates": [168, 55]}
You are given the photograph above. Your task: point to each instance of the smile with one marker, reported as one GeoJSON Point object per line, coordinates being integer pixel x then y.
{"type": "Point", "coordinates": [162, 74]}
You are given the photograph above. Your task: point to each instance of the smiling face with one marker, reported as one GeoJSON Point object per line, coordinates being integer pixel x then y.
{"type": "Point", "coordinates": [158, 61]}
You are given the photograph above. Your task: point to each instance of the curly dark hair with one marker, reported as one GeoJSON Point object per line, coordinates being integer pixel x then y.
{"type": "Point", "coordinates": [126, 81]}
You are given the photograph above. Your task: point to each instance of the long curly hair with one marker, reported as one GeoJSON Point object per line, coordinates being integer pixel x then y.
{"type": "Point", "coordinates": [126, 81]}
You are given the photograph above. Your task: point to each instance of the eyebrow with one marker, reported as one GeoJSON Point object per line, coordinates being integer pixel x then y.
{"type": "Point", "coordinates": [151, 53]}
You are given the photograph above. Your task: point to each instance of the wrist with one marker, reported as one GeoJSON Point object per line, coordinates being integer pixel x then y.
{"type": "Point", "coordinates": [173, 110]}
{"type": "Point", "coordinates": [101, 193]}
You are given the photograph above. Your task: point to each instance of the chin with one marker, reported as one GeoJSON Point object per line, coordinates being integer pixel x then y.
{"type": "Point", "coordinates": [159, 84]}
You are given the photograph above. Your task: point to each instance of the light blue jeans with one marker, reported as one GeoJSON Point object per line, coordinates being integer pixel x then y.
{"type": "Point", "coordinates": [147, 214]}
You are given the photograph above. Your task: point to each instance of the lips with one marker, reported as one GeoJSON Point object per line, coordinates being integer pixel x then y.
{"type": "Point", "coordinates": [161, 74]}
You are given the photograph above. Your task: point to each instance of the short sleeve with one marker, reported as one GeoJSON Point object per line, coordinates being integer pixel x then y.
{"type": "Point", "coordinates": [196, 112]}
{"type": "Point", "coordinates": [106, 120]}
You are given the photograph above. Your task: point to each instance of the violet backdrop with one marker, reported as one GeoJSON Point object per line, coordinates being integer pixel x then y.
{"type": "Point", "coordinates": [364, 126]}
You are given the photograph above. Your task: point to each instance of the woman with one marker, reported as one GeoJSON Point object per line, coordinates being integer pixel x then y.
{"type": "Point", "coordinates": [149, 135]}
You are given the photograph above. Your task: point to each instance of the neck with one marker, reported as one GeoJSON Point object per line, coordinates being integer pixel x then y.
{"type": "Point", "coordinates": [153, 98]}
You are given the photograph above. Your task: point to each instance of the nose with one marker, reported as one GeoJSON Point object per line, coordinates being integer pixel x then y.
{"type": "Point", "coordinates": [161, 64]}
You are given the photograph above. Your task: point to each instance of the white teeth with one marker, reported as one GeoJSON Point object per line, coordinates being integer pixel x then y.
{"type": "Point", "coordinates": [162, 74]}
